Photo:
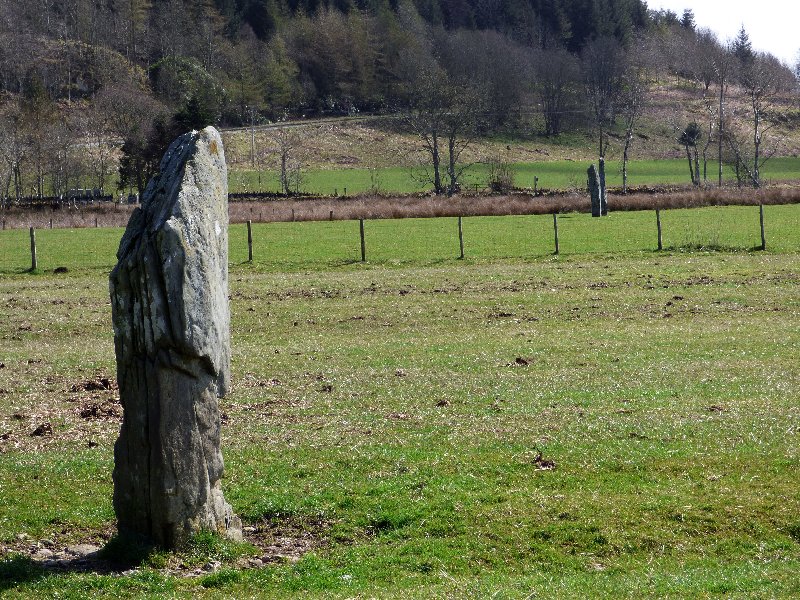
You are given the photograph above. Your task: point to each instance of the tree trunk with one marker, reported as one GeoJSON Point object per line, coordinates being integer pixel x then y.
{"type": "Point", "coordinates": [140, 183]}
{"type": "Point", "coordinates": [437, 176]}
{"type": "Point", "coordinates": [451, 166]}
{"type": "Point", "coordinates": [756, 147]}
{"type": "Point", "coordinates": [708, 143]}
{"type": "Point", "coordinates": [625, 163]}
{"type": "Point", "coordinates": [691, 169]}
{"type": "Point", "coordinates": [17, 182]}
{"type": "Point", "coordinates": [284, 175]}
{"type": "Point", "coordinates": [39, 179]}
{"type": "Point", "coordinates": [721, 126]}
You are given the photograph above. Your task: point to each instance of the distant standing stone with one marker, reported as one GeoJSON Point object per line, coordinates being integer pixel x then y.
{"type": "Point", "coordinates": [595, 191]}
{"type": "Point", "coordinates": [603, 193]}
{"type": "Point", "coordinates": [169, 300]}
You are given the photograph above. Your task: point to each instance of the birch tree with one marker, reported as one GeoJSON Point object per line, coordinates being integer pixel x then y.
{"type": "Point", "coordinates": [763, 78]}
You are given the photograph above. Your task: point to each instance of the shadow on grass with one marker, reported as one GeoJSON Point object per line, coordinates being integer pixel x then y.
{"type": "Point", "coordinates": [710, 248]}
{"type": "Point", "coordinates": [118, 555]}
{"type": "Point", "coordinates": [16, 570]}
{"type": "Point", "coordinates": [19, 570]}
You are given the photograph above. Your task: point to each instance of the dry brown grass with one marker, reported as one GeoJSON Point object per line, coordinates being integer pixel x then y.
{"type": "Point", "coordinates": [43, 217]}
{"type": "Point", "coordinates": [381, 207]}
{"type": "Point", "coordinates": [420, 206]}
{"type": "Point", "coordinates": [379, 144]}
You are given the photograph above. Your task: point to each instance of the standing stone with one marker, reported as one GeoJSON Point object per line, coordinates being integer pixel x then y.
{"type": "Point", "coordinates": [594, 191]}
{"type": "Point", "coordinates": [603, 194]}
{"type": "Point", "coordinates": [169, 300]}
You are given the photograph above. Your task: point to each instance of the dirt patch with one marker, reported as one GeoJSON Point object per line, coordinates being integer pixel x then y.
{"type": "Point", "coordinates": [542, 463]}
{"type": "Point", "coordinates": [101, 411]}
{"type": "Point", "coordinates": [277, 540]}
{"type": "Point", "coordinates": [94, 385]}
{"type": "Point", "coordinates": [42, 430]}
{"type": "Point", "coordinates": [288, 539]}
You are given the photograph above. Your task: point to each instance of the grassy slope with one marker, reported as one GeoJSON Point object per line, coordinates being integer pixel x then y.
{"type": "Point", "coordinates": [660, 384]}
{"type": "Point", "coordinates": [362, 155]}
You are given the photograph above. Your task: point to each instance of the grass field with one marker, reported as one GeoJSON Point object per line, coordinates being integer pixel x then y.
{"type": "Point", "coordinates": [551, 174]}
{"type": "Point", "coordinates": [611, 422]}
{"type": "Point", "coordinates": [315, 245]}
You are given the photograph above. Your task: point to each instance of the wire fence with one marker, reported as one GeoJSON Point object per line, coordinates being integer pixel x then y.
{"type": "Point", "coordinates": [283, 244]}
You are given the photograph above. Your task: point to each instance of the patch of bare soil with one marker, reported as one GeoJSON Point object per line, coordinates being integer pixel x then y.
{"type": "Point", "coordinates": [86, 412]}
{"type": "Point", "coordinates": [275, 541]}
{"type": "Point", "coordinates": [93, 385]}
{"type": "Point", "coordinates": [286, 540]}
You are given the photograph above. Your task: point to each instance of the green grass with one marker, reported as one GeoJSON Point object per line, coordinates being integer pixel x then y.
{"type": "Point", "coordinates": [551, 174]}
{"type": "Point", "coordinates": [402, 430]}
{"type": "Point", "coordinates": [292, 246]}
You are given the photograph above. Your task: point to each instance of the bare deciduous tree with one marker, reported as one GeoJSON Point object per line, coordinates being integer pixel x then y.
{"type": "Point", "coordinates": [13, 150]}
{"type": "Point", "coordinates": [603, 61]}
{"type": "Point", "coordinates": [443, 115]}
{"type": "Point", "coordinates": [133, 115]}
{"type": "Point", "coordinates": [711, 112]}
{"type": "Point", "coordinates": [556, 84]}
{"type": "Point", "coordinates": [288, 141]}
{"type": "Point", "coordinates": [632, 99]}
{"type": "Point", "coordinates": [723, 65]}
{"type": "Point", "coordinates": [763, 78]}
{"type": "Point", "coordinates": [689, 139]}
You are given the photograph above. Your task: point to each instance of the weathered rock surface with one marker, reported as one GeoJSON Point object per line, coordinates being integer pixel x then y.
{"type": "Point", "coordinates": [594, 190]}
{"type": "Point", "coordinates": [601, 164]}
{"type": "Point", "coordinates": [169, 297]}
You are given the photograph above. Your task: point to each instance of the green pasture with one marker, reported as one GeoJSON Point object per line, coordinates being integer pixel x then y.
{"type": "Point", "coordinates": [292, 246]}
{"type": "Point", "coordinates": [611, 422]}
{"type": "Point", "coordinates": [552, 175]}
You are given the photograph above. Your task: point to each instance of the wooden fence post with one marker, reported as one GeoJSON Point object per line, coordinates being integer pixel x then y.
{"type": "Point", "coordinates": [555, 230]}
{"type": "Point", "coordinates": [34, 263]}
{"type": "Point", "coordinates": [249, 241]}
{"type": "Point", "coordinates": [51, 222]}
{"type": "Point", "coordinates": [761, 220]}
{"type": "Point", "coordinates": [658, 224]}
{"type": "Point", "coordinates": [363, 246]}
{"type": "Point", "coordinates": [95, 221]}
{"type": "Point", "coordinates": [331, 216]}
{"type": "Point", "coordinates": [292, 215]}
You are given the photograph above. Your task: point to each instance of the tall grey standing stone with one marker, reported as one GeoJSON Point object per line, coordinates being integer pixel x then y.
{"type": "Point", "coordinates": [169, 300]}
{"type": "Point", "coordinates": [595, 191]}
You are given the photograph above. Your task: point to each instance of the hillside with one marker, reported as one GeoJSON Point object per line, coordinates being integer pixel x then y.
{"type": "Point", "coordinates": [92, 93]}
{"type": "Point", "coordinates": [378, 142]}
